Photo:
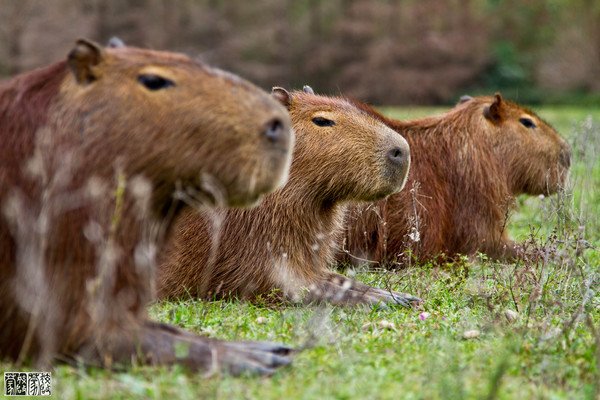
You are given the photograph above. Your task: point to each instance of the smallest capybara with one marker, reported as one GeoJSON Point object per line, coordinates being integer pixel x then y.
{"type": "Point", "coordinates": [342, 154]}
{"type": "Point", "coordinates": [93, 149]}
{"type": "Point", "coordinates": [467, 167]}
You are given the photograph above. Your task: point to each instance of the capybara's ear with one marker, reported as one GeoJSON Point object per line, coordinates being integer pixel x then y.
{"type": "Point", "coordinates": [115, 43]}
{"type": "Point", "coordinates": [282, 95]}
{"type": "Point", "coordinates": [82, 59]}
{"type": "Point", "coordinates": [464, 99]}
{"type": "Point", "coordinates": [308, 89]}
{"type": "Point", "coordinates": [493, 111]}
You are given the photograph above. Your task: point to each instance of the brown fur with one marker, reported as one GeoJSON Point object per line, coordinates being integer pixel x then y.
{"type": "Point", "coordinates": [468, 166]}
{"type": "Point", "coordinates": [288, 241]}
{"type": "Point", "coordinates": [79, 227]}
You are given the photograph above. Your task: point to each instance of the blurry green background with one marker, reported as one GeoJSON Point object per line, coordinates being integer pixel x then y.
{"type": "Point", "coordinates": [386, 52]}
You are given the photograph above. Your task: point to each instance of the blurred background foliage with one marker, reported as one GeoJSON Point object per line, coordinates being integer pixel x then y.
{"type": "Point", "coordinates": [382, 51]}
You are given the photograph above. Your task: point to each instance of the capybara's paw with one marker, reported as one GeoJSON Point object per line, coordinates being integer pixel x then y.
{"type": "Point", "coordinates": [162, 344]}
{"type": "Point", "coordinates": [406, 300]}
{"type": "Point", "coordinates": [260, 358]}
{"type": "Point", "coordinates": [341, 290]}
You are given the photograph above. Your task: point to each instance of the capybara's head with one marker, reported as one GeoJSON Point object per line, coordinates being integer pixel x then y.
{"type": "Point", "coordinates": [534, 155]}
{"type": "Point", "coordinates": [179, 122]}
{"type": "Point", "coordinates": [343, 152]}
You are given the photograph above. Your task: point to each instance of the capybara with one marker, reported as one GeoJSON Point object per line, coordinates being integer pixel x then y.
{"type": "Point", "coordinates": [286, 244]}
{"type": "Point", "coordinates": [99, 153]}
{"type": "Point", "coordinates": [467, 167]}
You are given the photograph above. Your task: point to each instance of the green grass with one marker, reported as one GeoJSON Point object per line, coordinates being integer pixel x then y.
{"type": "Point", "coordinates": [549, 351]}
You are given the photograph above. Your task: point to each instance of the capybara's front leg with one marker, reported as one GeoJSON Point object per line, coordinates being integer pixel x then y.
{"type": "Point", "coordinates": [338, 289]}
{"type": "Point", "coordinates": [162, 344]}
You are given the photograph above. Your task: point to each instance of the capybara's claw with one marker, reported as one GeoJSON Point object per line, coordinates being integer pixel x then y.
{"type": "Point", "coordinates": [261, 358]}
{"type": "Point", "coordinates": [406, 300]}
{"type": "Point", "coordinates": [250, 369]}
{"type": "Point", "coordinates": [166, 345]}
{"type": "Point", "coordinates": [275, 348]}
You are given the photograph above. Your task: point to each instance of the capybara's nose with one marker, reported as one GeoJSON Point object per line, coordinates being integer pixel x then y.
{"type": "Point", "coordinates": [275, 131]}
{"type": "Point", "coordinates": [565, 157]}
{"type": "Point", "coordinates": [397, 156]}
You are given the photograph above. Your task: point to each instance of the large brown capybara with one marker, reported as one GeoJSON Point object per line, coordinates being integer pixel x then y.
{"type": "Point", "coordinates": [467, 167]}
{"type": "Point", "coordinates": [79, 227]}
{"type": "Point", "coordinates": [286, 244]}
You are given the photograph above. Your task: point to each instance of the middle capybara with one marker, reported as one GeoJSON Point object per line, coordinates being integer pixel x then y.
{"type": "Point", "coordinates": [467, 167]}
{"type": "Point", "coordinates": [287, 243]}
{"type": "Point", "coordinates": [93, 150]}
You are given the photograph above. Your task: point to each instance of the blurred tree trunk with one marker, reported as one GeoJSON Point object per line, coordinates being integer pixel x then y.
{"type": "Point", "coordinates": [14, 16]}
{"type": "Point", "coordinates": [383, 51]}
{"type": "Point", "coordinates": [593, 25]}
{"type": "Point", "coordinates": [125, 19]}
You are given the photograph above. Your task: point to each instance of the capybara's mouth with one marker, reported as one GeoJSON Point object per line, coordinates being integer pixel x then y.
{"type": "Point", "coordinates": [280, 150]}
{"type": "Point", "coordinates": [206, 198]}
{"type": "Point", "coordinates": [382, 193]}
{"type": "Point", "coordinates": [548, 187]}
{"type": "Point", "coordinates": [396, 180]}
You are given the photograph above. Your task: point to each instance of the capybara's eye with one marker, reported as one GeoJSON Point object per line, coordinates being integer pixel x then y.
{"type": "Point", "coordinates": [527, 123]}
{"type": "Point", "coordinates": [155, 82]}
{"type": "Point", "coordinates": [320, 121]}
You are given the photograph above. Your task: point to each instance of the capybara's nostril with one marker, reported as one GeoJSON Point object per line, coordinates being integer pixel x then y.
{"type": "Point", "coordinates": [396, 156]}
{"type": "Point", "coordinates": [275, 131]}
{"type": "Point", "coordinates": [565, 157]}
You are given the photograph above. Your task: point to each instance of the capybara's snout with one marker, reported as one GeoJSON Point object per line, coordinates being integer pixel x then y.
{"type": "Point", "coordinates": [397, 159]}
{"type": "Point", "coordinates": [276, 132]}
{"type": "Point", "coordinates": [271, 158]}
{"type": "Point", "coordinates": [564, 156]}
{"type": "Point", "coordinates": [276, 135]}
{"type": "Point", "coordinates": [397, 156]}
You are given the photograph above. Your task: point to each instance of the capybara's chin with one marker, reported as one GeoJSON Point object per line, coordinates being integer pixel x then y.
{"type": "Point", "coordinates": [558, 175]}
{"type": "Point", "coordinates": [392, 185]}
{"type": "Point", "coordinates": [554, 183]}
{"type": "Point", "coordinates": [222, 195]}
{"type": "Point", "coordinates": [268, 175]}
{"type": "Point", "coordinates": [396, 177]}
{"type": "Point", "coordinates": [243, 201]}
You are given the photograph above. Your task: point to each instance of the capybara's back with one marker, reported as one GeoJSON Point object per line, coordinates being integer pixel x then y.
{"type": "Point", "coordinates": [99, 153]}
{"type": "Point", "coordinates": [468, 166]}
